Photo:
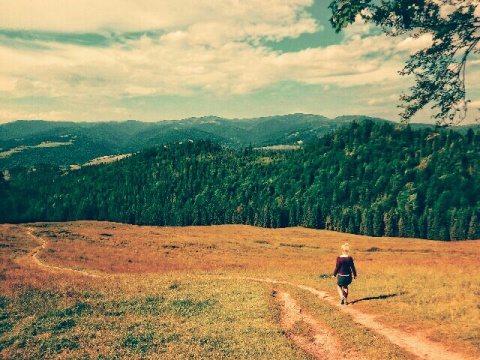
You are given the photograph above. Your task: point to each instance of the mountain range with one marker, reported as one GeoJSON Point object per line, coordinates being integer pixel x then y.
{"type": "Point", "coordinates": [64, 143]}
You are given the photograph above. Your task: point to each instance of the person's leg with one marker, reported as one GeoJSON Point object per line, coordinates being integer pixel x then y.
{"type": "Point", "coordinates": [345, 293]}
{"type": "Point", "coordinates": [340, 291]}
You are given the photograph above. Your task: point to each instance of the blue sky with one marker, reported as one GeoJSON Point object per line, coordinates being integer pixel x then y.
{"type": "Point", "coordinates": [151, 60]}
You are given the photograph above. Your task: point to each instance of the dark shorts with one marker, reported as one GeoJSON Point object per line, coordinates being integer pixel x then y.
{"type": "Point", "coordinates": [344, 280]}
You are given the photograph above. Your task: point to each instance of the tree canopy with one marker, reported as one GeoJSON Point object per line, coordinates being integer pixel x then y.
{"type": "Point", "coordinates": [369, 178]}
{"type": "Point", "coordinates": [440, 69]}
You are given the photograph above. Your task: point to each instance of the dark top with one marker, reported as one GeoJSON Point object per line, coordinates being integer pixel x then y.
{"type": "Point", "coordinates": [345, 266]}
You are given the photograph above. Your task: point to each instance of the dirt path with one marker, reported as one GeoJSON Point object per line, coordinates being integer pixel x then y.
{"type": "Point", "coordinates": [416, 345]}
{"type": "Point", "coordinates": [35, 253]}
{"type": "Point", "coordinates": [307, 333]}
{"type": "Point", "coordinates": [318, 341]}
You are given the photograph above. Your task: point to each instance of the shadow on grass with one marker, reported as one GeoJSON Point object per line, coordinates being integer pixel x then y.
{"type": "Point", "coordinates": [379, 297]}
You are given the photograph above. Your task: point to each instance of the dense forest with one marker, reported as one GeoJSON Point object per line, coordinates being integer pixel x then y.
{"type": "Point", "coordinates": [26, 142]}
{"type": "Point", "coordinates": [366, 178]}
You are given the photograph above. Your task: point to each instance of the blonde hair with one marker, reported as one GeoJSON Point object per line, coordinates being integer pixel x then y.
{"type": "Point", "coordinates": [345, 248]}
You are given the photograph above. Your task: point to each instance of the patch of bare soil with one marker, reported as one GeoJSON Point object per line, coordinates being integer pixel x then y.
{"type": "Point", "coordinates": [415, 344]}
{"type": "Point", "coordinates": [306, 332]}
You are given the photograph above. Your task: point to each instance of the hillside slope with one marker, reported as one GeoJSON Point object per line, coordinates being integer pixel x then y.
{"type": "Point", "coordinates": [32, 142]}
{"type": "Point", "coordinates": [364, 178]}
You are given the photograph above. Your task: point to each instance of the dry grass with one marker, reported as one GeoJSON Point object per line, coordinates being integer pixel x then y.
{"type": "Point", "coordinates": [183, 293]}
{"type": "Point", "coordinates": [354, 339]}
{"type": "Point", "coordinates": [45, 144]}
{"type": "Point", "coordinates": [146, 318]}
{"type": "Point", "coordinates": [106, 159]}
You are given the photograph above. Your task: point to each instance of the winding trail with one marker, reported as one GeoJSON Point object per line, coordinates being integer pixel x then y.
{"type": "Point", "coordinates": [416, 345]}
{"type": "Point", "coordinates": [321, 343]}
{"type": "Point", "coordinates": [37, 251]}
{"type": "Point", "coordinates": [316, 340]}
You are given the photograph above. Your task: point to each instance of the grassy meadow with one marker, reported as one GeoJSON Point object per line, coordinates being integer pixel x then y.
{"type": "Point", "coordinates": [112, 291]}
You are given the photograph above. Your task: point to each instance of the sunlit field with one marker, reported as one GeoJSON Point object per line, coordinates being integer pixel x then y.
{"type": "Point", "coordinates": [98, 290]}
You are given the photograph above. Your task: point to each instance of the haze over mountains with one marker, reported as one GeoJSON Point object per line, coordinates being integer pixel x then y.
{"type": "Point", "coordinates": [28, 142]}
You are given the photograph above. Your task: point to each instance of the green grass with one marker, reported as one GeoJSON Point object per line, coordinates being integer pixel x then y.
{"type": "Point", "coordinates": [193, 301]}
{"type": "Point", "coordinates": [198, 318]}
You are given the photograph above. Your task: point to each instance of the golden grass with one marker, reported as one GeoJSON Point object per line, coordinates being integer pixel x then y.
{"type": "Point", "coordinates": [354, 339]}
{"type": "Point", "coordinates": [183, 292]}
{"type": "Point", "coordinates": [106, 159]}
{"type": "Point", "coordinates": [45, 144]}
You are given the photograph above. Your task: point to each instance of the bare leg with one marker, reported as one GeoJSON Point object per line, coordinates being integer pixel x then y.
{"type": "Point", "coordinates": [340, 291]}
{"type": "Point", "coordinates": [345, 293]}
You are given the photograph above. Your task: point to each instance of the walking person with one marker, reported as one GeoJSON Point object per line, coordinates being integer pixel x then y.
{"type": "Point", "coordinates": [344, 271]}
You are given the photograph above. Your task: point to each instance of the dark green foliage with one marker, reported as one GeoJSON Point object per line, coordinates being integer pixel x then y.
{"type": "Point", "coordinates": [5, 326]}
{"type": "Point", "coordinates": [86, 141]}
{"type": "Point", "coordinates": [366, 178]}
{"type": "Point", "coordinates": [440, 68]}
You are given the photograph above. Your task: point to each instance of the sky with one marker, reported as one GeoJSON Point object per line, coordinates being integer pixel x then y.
{"type": "Point", "coordinates": [152, 60]}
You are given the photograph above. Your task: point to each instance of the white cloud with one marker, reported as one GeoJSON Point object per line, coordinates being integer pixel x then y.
{"type": "Point", "coordinates": [383, 100]}
{"type": "Point", "coordinates": [474, 104]}
{"type": "Point", "coordinates": [7, 115]}
{"type": "Point", "coordinates": [412, 45]}
{"type": "Point", "coordinates": [222, 56]}
{"type": "Point", "coordinates": [202, 45]}
{"type": "Point", "coordinates": [178, 63]}
{"type": "Point", "coordinates": [7, 83]}
{"type": "Point", "coordinates": [141, 15]}
{"type": "Point", "coordinates": [211, 47]}
{"type": "Point", "coordinates": [89, 15]}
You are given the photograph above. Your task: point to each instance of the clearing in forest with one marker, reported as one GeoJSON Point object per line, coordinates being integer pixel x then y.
{"type": "Point", "coordinates": [97, 289]}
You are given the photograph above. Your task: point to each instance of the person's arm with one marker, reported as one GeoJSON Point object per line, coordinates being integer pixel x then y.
{"type": "Point", "coordinates": [354, 271]}
{"type": "Point", "coordinates": [337, 267]}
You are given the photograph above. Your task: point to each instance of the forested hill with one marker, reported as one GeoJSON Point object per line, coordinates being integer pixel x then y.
{"type": "Point", "coordinates": [366, 178]}
{"type": "Point", "coordinates": [69, 143]}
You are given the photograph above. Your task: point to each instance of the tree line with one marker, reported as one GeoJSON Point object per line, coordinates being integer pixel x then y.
{"type": "Point", "coordinates": [366, 178]}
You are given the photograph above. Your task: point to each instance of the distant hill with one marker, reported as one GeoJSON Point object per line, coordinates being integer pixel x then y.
{"type": "Point", "coordinates": [366, 177]}
{"type": "Point", "coordinates": [29, 142]}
